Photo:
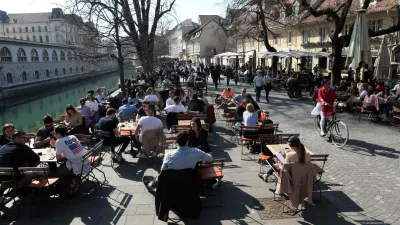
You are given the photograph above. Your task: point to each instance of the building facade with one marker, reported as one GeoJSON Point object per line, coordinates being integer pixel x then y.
{"type": "Point", "coordinates": [177, 46]}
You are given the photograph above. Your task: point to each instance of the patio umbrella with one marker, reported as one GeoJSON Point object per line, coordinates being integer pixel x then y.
{"type": "Point", "coordinates": [382, 63]}
{"type": "Point", "coordinates": [359, 48]}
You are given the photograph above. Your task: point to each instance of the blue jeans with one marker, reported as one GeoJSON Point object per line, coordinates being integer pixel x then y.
{"type": "Point", "coordinates": [227, 80]}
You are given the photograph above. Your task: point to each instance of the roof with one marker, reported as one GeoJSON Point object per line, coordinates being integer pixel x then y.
{"type": "Point", "coordinates": [188, 22]}
{"type": "Point", "coordinates": [379, 6]}
{"type": "Point", "coordinates": [195, 30]}
{"type": "Point", "coordinates": [206, 18]}
{"type": "Point", "coordinates": [29, 17]}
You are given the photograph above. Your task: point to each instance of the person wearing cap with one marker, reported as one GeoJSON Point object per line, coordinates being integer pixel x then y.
{"type": "Point", "coordinates": [239, 98]}
{"type": "Point", "coordinates": [258, 83]}
{"type": "Point", "coordinates": [126, 109]}
{"type": "Point", "coordinates": [228, 93]}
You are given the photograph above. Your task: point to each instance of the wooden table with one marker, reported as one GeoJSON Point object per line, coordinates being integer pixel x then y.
{"type": "Point", "coordinates": [231, 108]}
{"type": "Point", "coordinates": [45, 158]}
{"type": "Point", "coordinates": [128, 127]}
{"type": "Point", "coordinates": [280, 148]}
{"type": "Point", "coordinates": [187, 122]}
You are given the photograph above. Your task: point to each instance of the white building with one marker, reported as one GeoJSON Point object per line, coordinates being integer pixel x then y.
{"type": "Point", "coordinates": [48, 27]}
{"type": "Point", "coordinates": [177, 46]}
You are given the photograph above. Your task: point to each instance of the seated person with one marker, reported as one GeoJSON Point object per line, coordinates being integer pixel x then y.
{"type": "Point", "coordinates": [239, 98]}
{"type": "Point", "coordinates": [240, 110]}
{"type": "Point", "coordinates": [250, 118]}
{"type": "Point", "coordinates": [16, 154]}
{"type": "Point", "coordinates": [377, 103]}
{"type": "Point", "coordinates": [364, 90]}
{"type": "Point", "coordinates": [183, 157]}
{"type": "Point", "coordinates": [146, 123]}
{"type": "Point", "coordinates": [196, 104]}
{"type": "Point", "coordinates": [133, 100]}
{"type": "Point", "coordinates": [179, 92]}
{"type": "Point", "coordinates": [176, 108]}
{"type": "Point", "coordinates": [342, 87]}
{"type": "Point", "coordinates": [140, 93]}
{"type": "Point", "coordinates": [126, 109]}
{"type": "Point", "coordinates": [68, 147]}
{"type": "Point", "coordinates": [110, 124]}
{"type": "Point", "coordinates": [171, 100]}
{"type": "Point", "coordinates": [94, 107]}
{"type": "Point", "coordinates": [85, 111]}
{"type": "Point", "coordinates": [397, 102]}
{"type": "Point", "coordinates": [198, 136]}
{"type": "Point", "coordinates": [73, 117]}
{"type": "Point", "coordinates": [142, 110]}
{"type": "Point", "coordinates": [6, 136]}
{"type": "Point", "coordinates": [101, 96]}
{"type": "Point", "coordinates": [151, 97]}
{"type": "Point", "coordinates": [228, 93]}
{"type": "Point", "coordinates": [45, 134]}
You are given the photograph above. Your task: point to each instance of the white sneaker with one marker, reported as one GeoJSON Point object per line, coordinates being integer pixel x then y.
{"type": "Point", "coordinates": [323, 134]}
{"type": "Point", "coordinates": [118, 157]}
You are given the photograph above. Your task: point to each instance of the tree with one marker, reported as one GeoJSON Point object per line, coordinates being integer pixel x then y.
{"type": "Point", "coordinates": [338, 13]}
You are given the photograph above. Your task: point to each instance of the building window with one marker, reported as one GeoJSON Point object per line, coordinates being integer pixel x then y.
{"type": "Point", "coordinates": [306, 36]}
{"type": "Point", "coordinates": [34, 38]}
{"type": "Point", "coordinates": [62, 56]}
{"type": "Point", "coordinates": [70, 70]}
{"type": "Point", "coordinates": [45, 28]}
{"type": "Point", "coordinates": [24, 76]}
{"type": "Point", "coordinates": [26, 29]}
{"type": "Point", "coordinates": [34, 56]}
{"type": "Point", "coordinates": [27, 38]}
{"type": "Point", "coordinates": [56, 72]}
{"type": "Point", "coordinates": [39, 28]}
{"type": "Point", "coordinates": [54, 56]}
{"type": "Point", "coordinates": [82, 69]}
{"type": "Point", "coordinates": [69, 56]}
{"type": "Point", "coordinates": [40, 39]}
{"type": "Point", "coordinates": [5, 55]}
{"type": "Point", "coordinates": [290, 37]}
{"type": "Point", "coordinates": [33, 29]}
{"type": "Point", "coordinates": [37, 75]}
{"type": "Point", "coordinates": [13, 29]}
{"type": "Point", "coordinates": [9, 78]}
{"type": "Point", "coordinates": [20, 29]}
{"type": "Point", "coordinates": [323, 34]}
{"type": "Point", "coordinates": [64, 71]}
{"type": "Point", "coordinates": [45, 55]}
{"type": "Point", "coordinates": [7, 30]}
{"type": "Point", "coordinates": [57, 38]}
{"type": "Point", "coordinates": [375, 25]}
{"type": "Point", "coordinates": [47, 38]}
{"type": "Point", "coordinates": [55, 28]}
{"type": "Point", "coordinates": [47, 73]}
{"type": "Point", "coordinates": [21, 55]}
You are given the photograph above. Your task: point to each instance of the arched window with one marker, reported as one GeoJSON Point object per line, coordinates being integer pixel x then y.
{"type": "Point", "coordinates": [70, 70]}
{"type": "Point", "coordinates": [82, 69]}
{"type": "Point", "coordinates": [64, 71]}
{"type": "Point", "coordinates": [62, 56]}
{"type": "Point", "coordinates": [54, 56]}
{"type": "Point", "coordinates": [45, 55]}
{"type": "Point", "coordinates": [56, 72]}
{"type": "Point", "coordinates": [69, 55]}
{"type": "Point", "coordinates": [24, 76]}
{"type": "Point", "coordinates": [40, 39]}
{"type": "Point", "coordinates": [21, 55]}
{"type": "Point", "coordinates": [47, 73]}
{"type": "Point", "coordinates": [75, 56]}
{"type": "Point", "coordinates": [77, 70]}
{"type": "Point", "coordinates": [5, 55]}
{"type": "Point", "coordinates": [9, 78]}
{"type": "Point", "coordinates": [34, 56]}
{"type": "Point", "coordinates": [37, 75]}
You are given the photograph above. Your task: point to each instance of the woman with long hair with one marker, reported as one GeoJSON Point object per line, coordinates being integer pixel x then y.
{"type": "Point", "coordinates": [298, 152]}
{"type": "Point", "coordinates": [73, 117]}
{"type": "Point", "coordinates": [198, 136]}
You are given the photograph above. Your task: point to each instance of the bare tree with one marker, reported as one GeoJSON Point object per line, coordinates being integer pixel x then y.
{"type": "Point", "coordinates": [338, 13]}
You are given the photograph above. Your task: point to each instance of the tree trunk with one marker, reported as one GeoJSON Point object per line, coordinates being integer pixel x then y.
{"type": "Point", "coordinates": [337, 48]}
{"type": "Point", "coordinates": [146, 54]}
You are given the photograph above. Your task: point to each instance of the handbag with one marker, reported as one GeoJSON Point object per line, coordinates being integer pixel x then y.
{"type": "Point", "coordinates": [317, 110]}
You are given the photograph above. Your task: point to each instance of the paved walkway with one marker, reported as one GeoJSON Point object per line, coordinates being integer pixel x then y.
{"type": "Point", "coordinates": [361, 180]}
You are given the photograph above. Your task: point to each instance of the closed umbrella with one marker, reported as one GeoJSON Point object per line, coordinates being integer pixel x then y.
{"type": "Point", "coordinates": [359, 48]}
{"type": "Point", "coordinates": [382, 63]}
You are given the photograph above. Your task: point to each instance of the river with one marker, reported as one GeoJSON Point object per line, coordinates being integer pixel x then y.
{"type": "Point", "coordinates": [28, 115]}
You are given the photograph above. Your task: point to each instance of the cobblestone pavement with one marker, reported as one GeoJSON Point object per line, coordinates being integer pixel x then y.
{"type": "Point", "coordinates": [361, 182]}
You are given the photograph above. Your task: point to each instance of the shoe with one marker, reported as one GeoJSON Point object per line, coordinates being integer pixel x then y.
{"type": "Point", "coordinates": [153, 154]}
{"type": "Point", "coordinates": [272, 190]}
{"type": "Point", "coordinates": [214, 186]}
{"type": "Point", "coordinates": [118, 158]}
{"type": "Point", "coordinates": [323, 134]}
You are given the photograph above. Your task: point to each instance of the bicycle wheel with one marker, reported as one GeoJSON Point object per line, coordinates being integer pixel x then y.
{"type": "Point", "coordinates": [317, 124]}
{"type": "Point", "coordinates": [339, 134]}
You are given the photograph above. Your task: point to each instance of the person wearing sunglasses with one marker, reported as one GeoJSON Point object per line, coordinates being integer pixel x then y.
{"type": "Point", "coordinates": [16, 154]}
{"type": "Point", "coordinates": [46, 133]}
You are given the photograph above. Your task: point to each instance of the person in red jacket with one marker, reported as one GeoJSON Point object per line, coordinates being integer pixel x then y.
{"type": "Point", "coordinates": [326, 97]}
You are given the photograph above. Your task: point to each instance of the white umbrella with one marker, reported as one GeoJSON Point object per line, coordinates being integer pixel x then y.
{"type": "Point", "coordinates": [359, 48]}
{"type": "Point", "coordinates": [382, 63]}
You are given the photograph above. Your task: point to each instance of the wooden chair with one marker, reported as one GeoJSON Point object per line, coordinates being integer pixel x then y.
{"type": "Point", "coordinates": [11, 188]}
{"type": "Point", "coordinates": [251, 133]}
{"type": "Point", "coordinates": [210, 171]}
{"type": "Point", "coordinates": [367, 112]}
{"type": "Point", "coordinates": [84, 139]}
{"type": "Point", "coordinates": [270, 128]}
{"type": "Point", "coordinates": [396, 116]}
{"type": "Point", "coordinates": [319, 169]}
{"type": "Point", "coordinates": [127, 118]}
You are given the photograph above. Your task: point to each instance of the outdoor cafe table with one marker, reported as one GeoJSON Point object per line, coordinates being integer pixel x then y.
{"type": "Point", "coordinates": [187, 122]}
{"type": "Point", "coordinates": [128, 129]}
{"type": "Point", "coordinates": [45, 157]}
{"type": "Point", "coordinates": [280, 148]}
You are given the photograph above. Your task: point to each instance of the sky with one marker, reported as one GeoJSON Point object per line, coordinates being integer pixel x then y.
{"type": "Point", "coordinates": [184, 9]}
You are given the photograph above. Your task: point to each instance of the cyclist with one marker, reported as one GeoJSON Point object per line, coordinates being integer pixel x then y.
{"type": "Point", "coordinates": [326, 97]}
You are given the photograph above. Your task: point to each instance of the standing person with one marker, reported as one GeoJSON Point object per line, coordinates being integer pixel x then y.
{"type": "Point", "coordinates": [85, 112]}
{"type": "Point", "coordinates": [267, 86]}
{"type": "Point", "coordinates": [228, 74]}
{"type": "Point", "coordinates": [258, 83]}
{"type": "Point", "coordinates": [6, 136]}
{"type": "Point", "coordinates": [101, 96]}
{"type": "Point", "coordinates": [218, 70]}
{"type": "Point", "coordinates": [326, 97]}
{"type": "Point", "coordinates": [94, 106]}
{"type": "Point", "coordinates": [350, 74]}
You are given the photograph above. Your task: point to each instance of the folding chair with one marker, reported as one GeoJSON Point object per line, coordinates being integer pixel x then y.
{"type": "Point", "coordinates": [251, 133]}
{"type": "Point", "coordinates": [209, 171]}
{"type": "Point", "coordinates": [396, 116]}
{"type": "Point", "coordinates": [319, 169]}
{"type": "Point", "coordinates": [270, 128]}
{"type": "Point", "coordinates": [127, 118]}
{"type": "Point", "coordinates": [100, 136]}
{"type": "Point", "coordinates": [365, 111]}
{"type": "Point", "coordinates": [12, 187]}
{"type": "Point", "coordinates": [84, 139]}
{"type": "Point", "coordinates": [265, 139]}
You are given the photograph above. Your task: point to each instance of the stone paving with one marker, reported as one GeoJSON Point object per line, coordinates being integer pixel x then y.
{"type": "Point", "coordinates": [361, 180]}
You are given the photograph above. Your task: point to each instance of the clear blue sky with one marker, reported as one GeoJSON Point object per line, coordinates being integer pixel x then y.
{"type": "Point", "coordinates": [184, 8]}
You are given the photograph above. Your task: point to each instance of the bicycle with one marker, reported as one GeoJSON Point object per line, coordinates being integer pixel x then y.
{"type": "Point", "coordinates": [337, 129]}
